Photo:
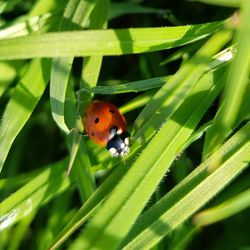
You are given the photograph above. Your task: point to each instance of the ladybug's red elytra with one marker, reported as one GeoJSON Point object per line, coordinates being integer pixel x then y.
{"type": "Point", "coordinates": [106, 126]}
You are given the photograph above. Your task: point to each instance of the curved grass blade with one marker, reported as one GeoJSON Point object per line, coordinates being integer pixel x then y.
{"type": "Point", "coordinates": [104, 42]}
{"type": "Point", "coordinates": [236, 86]}
{"type": "Point", "coordinates": [77, 11]}
{"type": "Point", "coordinates": [25, 97]}
{"type": "Point", "coordinates": [90, 74]}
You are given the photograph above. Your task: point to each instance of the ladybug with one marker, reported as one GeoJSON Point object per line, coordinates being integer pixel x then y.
{"type": "Point", "coordinates": [106, 126]}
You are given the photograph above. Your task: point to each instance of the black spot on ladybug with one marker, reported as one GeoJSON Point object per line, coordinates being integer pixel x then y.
{"type": "Point", "coordinates": [92, 133]}
{"type": "Point", "coordinates": [112, 111]}
{"type": "Point", "coordinates": [96, 119]}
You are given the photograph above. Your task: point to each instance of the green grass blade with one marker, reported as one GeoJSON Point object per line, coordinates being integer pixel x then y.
{"type": "Point", "coordinates": [104, 42]}
{"type": "Point", "coordinates": [220, 175]}
{"type": "Point", "coordinates": [137, 86]}
{"type": "Point", "coordinates": [76, 12]}
{"type": "Point", "coordinates": [236, 86]}
{"type": "Point", "coordinates": [224, 210]}
{"type": "Point", "coordinates": [34, 194]}
{"type": "Point", "coordinates": [25, 98]}
{"type": "Point", "coordinates": [219, 61]}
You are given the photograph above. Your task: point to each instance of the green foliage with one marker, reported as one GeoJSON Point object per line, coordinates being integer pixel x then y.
{"type": "Point", "coordinates": [180, 72]}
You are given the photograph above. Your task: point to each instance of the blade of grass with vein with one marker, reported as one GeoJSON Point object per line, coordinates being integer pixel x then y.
{"type": "Point", "coordinates": [34, 194]}
{"type": "Point", "coordinates": [235, 88]}
{"type": "Point", "coordinates": [89, 77]}
{"type": "Point", "coordinates": [25, 98]}
{"type": "Point", "coordinates": [224, 210]}
{"type": "Point", "coordinates": [77, 11]}
{"type": "Point", "coordinates": [218, 176]}
{"type": "Point", "coordinates": [137, 86]}
{"type": "Point", "coordinates": [219, 61]}
{"type": "Point", "coordinates": [104, 42]}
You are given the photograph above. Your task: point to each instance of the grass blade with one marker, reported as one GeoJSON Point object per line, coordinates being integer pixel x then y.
{"type": "Point", "coordinates": [76, 12]}
{"type": "Point", "coordinates": [22, 103]}
{"type": "Point", "coordinates": [236, 86]}
{"type": "Point", "coordinates": [104, 42]}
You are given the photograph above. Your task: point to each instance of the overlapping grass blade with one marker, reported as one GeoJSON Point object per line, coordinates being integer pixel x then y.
{"type": "Point", "coordinates": [104, 42]}
{"type": "Point", "coordinates": [235, 154]}
{"type": "Point", "coordinates": [22, 103]}
{"type": "Point", "coordinates": [236, 86]}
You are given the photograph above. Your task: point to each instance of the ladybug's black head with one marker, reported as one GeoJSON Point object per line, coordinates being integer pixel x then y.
{"type": "Point", "coordinates": [118, 144]}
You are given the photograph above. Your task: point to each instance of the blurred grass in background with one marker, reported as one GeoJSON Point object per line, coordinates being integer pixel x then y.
{"type": "Point", "coordinates": [179, 71]}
